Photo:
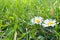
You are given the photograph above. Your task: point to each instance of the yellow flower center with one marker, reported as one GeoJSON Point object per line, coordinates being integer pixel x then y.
{"type": "Point", "coordinates": [37, 21]}
{"type": "Point", "coordinates": [50, 23]}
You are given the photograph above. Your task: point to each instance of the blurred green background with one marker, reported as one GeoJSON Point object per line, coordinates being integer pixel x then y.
{"type": "Point", "coordinates": [15, 17]}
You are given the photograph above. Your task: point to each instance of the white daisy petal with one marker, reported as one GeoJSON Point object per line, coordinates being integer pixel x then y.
{"type": "Point", "coordinates": [46, 21]}
{"type": "Point", "coordinates": [44, 25]}
{"type": "Point", "coordinates": [32, 20]}
{"type": "Point", "coordinates": [54, 21]}
{"type": "Point", "coordinates": [54, 24]}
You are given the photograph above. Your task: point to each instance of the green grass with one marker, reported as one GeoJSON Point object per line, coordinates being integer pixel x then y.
{"type": "Point", "coordinates": [16, 15]}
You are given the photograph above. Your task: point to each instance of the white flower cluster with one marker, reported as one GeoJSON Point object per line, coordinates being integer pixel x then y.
{"type": "Point", "coordinates": [45, 23]}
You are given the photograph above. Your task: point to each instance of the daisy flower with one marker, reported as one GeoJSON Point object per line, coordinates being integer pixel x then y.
{"type": "Point", "coordinates": [37, 20]}
{"type": "Point", "coordinates": [49, 22]}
